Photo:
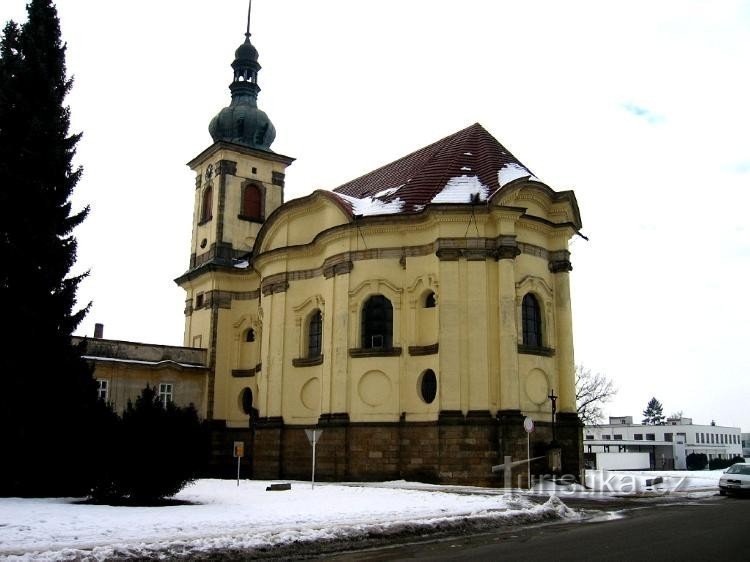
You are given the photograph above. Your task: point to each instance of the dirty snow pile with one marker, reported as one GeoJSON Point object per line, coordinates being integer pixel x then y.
{"type": "Point", "coordinates": [223, 516]}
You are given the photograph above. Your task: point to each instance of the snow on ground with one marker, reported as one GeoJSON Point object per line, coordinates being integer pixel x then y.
{"type": "Point", "coordinates": [607, 484]}
{"type": "Point", "coordinates": [645, 481]}
{"type": "Point", "coordinates": [225, 516]}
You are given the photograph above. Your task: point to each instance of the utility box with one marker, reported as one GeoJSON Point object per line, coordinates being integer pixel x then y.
{"type": "Point", "coordinates": [554, 460]}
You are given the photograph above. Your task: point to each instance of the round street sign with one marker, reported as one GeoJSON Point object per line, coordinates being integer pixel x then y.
{"type": "Point", "coordinates": [528, 424]}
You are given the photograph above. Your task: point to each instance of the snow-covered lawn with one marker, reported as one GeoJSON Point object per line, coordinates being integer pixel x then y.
{"type": "Point", "coordinates": [225, 516]}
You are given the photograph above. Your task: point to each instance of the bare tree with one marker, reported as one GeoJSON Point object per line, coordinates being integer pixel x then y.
{"type": "Point", "coordinates": [593, 390]}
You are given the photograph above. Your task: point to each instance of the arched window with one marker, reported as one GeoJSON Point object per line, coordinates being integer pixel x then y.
{"type": "Point", "coordinates": [429, 301]}
{"type": "Point", "coordinates": [531, 317]}
{"type": "Point", "coordinates": [251, 202]}
{"type": "Point", "coordinates": [377, 323]}
{"type": "Point", "coordinates": [315, 335]}
{"type": "Point", "coordinates": [250, 335]}
{"type": "Point", "coordinates": [207, 205]}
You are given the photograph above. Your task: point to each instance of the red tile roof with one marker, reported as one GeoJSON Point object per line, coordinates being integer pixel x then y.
{"type": "Point", "coordinates": [469, 160]}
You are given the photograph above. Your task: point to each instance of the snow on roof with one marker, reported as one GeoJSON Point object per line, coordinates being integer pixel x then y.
{"type": "Point", "coordinates": [368, 206]}
{"type": "Point", "coordinates": [460, 190]}
{"type": "Point", "coordinates": [387, 192]}
{"type": "Point", "coordinates": [510, 172]}
{"type": "Point", "coordinates": [141, 362]}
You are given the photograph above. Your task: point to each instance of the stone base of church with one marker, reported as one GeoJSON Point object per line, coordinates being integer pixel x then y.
{"type": "Point", "coordinates": [455, 449]}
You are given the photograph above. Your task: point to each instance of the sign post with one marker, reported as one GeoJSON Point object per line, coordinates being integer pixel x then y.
{"type": "Point", "coordinates": [239, 452]}
{"type": "Point", "coordinates": [528, 425]}
{"type": "Point", "coordinates": [312, 436]}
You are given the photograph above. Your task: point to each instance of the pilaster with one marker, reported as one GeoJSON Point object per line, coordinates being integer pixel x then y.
{"type": "Point", "coordinates": [449, 333]}
{"type": "Point", "coordinates": [506, 253]}
{"type": "Point", "coordinates": [560, 266]}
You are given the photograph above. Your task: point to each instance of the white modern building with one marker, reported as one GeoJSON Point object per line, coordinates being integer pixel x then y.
{"type": "Point", "coordinates": [622, 444]}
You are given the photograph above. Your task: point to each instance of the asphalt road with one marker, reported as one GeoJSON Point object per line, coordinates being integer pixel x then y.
{"type": "Point", "coordinates": [717, 528]}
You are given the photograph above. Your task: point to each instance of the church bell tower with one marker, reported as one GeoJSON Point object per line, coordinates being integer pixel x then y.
{"type": "Point", "coordinates": [239, 182]}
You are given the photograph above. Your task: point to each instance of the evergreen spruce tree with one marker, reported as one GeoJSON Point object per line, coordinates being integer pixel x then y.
{"type": "Point", "coordinates": [49, 395]}
{"type": "Point", "coordinates": [654, 413]}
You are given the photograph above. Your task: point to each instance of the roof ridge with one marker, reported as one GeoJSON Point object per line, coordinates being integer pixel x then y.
{"type": "Point", "coordinates": [410, 155]}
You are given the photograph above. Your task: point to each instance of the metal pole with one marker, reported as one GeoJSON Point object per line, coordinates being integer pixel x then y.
{"type": "Point", "coordinates": [528, 459]}
{"type": "Point", "coordinates": [313, 459]}
{"type": "Point", "coordinates": [238, 471]}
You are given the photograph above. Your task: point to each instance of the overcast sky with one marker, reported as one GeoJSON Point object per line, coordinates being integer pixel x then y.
{"type": "Point", "coordinates": [641, 107]}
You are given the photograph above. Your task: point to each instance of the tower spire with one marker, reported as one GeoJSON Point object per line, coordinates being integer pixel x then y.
{"type": "Point", "coordinates": [249, 7]}
{"type": "Point", "coordinates": [242, 122]}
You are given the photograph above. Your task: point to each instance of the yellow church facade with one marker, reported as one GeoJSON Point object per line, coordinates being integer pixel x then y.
{"type": "Point", "coordinates": [416, 314]}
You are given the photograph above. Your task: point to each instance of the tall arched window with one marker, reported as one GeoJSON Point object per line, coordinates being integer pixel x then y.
{"type": "Point", "coordinates": [207, 204]}
{"type": "Point", "coordinates": [377, 323]}
{"type": "Point", "coordinates": [531, 317]}
{"type": "Point", "coordinates": [251, 202]}
{"type": "Point", "coordinates": [315, 335]}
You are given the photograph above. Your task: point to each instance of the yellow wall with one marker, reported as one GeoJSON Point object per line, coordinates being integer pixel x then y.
{"type": "Point", "coordinates": [126, 381]}
{"type": "Point", "coordinates": [477, 320]}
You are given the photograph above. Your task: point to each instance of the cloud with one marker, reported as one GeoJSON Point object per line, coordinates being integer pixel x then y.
{"type": "Point", "coordinates": [740, 167]}
{"type": "Point", "coordinates": [643, 113]}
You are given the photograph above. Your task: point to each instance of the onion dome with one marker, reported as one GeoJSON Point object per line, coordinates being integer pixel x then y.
{"type": "Point", "coordinates": [242, 122]}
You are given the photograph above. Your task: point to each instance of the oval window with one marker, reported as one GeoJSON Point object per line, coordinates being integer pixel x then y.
{"type": "Point", "coordinates": [246, 400]}
{"type": "Point", "coordinates": [428, 386]}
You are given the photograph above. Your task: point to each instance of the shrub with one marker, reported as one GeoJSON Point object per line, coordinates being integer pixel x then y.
{"type": "Point", "coordinates": [696, 461]}
{"type": "Point", "coordinates": [159, 451]}
{"type": "Point", "coordinates": [716, 464]}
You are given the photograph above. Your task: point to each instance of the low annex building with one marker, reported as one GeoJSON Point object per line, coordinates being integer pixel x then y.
{"type": "Point", "coordinates": [622, 444]}
{"type": "Point", "coordinates": [416, 314]}
{"type": "Point", "coordinates": [122, 369]}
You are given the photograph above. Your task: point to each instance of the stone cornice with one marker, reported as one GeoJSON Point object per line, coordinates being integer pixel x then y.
{"type": "Point", "coordinates": [559, 261]}
{"type": "Point", "coordinates": [223, 145]}
{"type": "Point", "coordinates": [307, 361]}
{"type": "Point", "coordinates": [374, 352]}
{"type": "Point", "coordinates": [417, 350]}
{"type": "Point", "coordinates": [223, 299]}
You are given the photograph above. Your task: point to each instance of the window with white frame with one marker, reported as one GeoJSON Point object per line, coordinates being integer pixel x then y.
{"type": "Point", "coordinates": [102, 389]}
{"type": "Point", "coordinates": [166, 392]}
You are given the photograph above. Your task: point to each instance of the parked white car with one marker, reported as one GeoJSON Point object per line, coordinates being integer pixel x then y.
{"type": "Point", "coordinates": [736, 479]}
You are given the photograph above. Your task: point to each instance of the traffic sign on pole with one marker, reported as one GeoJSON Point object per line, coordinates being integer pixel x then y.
{"type": "Point", "coordinates": [239, 452]}
{"type": "Point", "coordinates": [312, 436]}
{"type": "Point", "coordinates": [528, 425]}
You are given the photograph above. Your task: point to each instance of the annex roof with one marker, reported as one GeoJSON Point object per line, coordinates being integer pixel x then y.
{"type": "Point", "coordinates": [470, 165]}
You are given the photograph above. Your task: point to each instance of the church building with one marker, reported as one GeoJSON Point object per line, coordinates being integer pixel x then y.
{"type": "Point", "coordinates": [416, 314]}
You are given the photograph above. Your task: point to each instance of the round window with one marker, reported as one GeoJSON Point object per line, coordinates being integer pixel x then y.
{"type": "Point", "coordinates": [246, 400]}
{"type": "Point", "coordinates": [428, 386]}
